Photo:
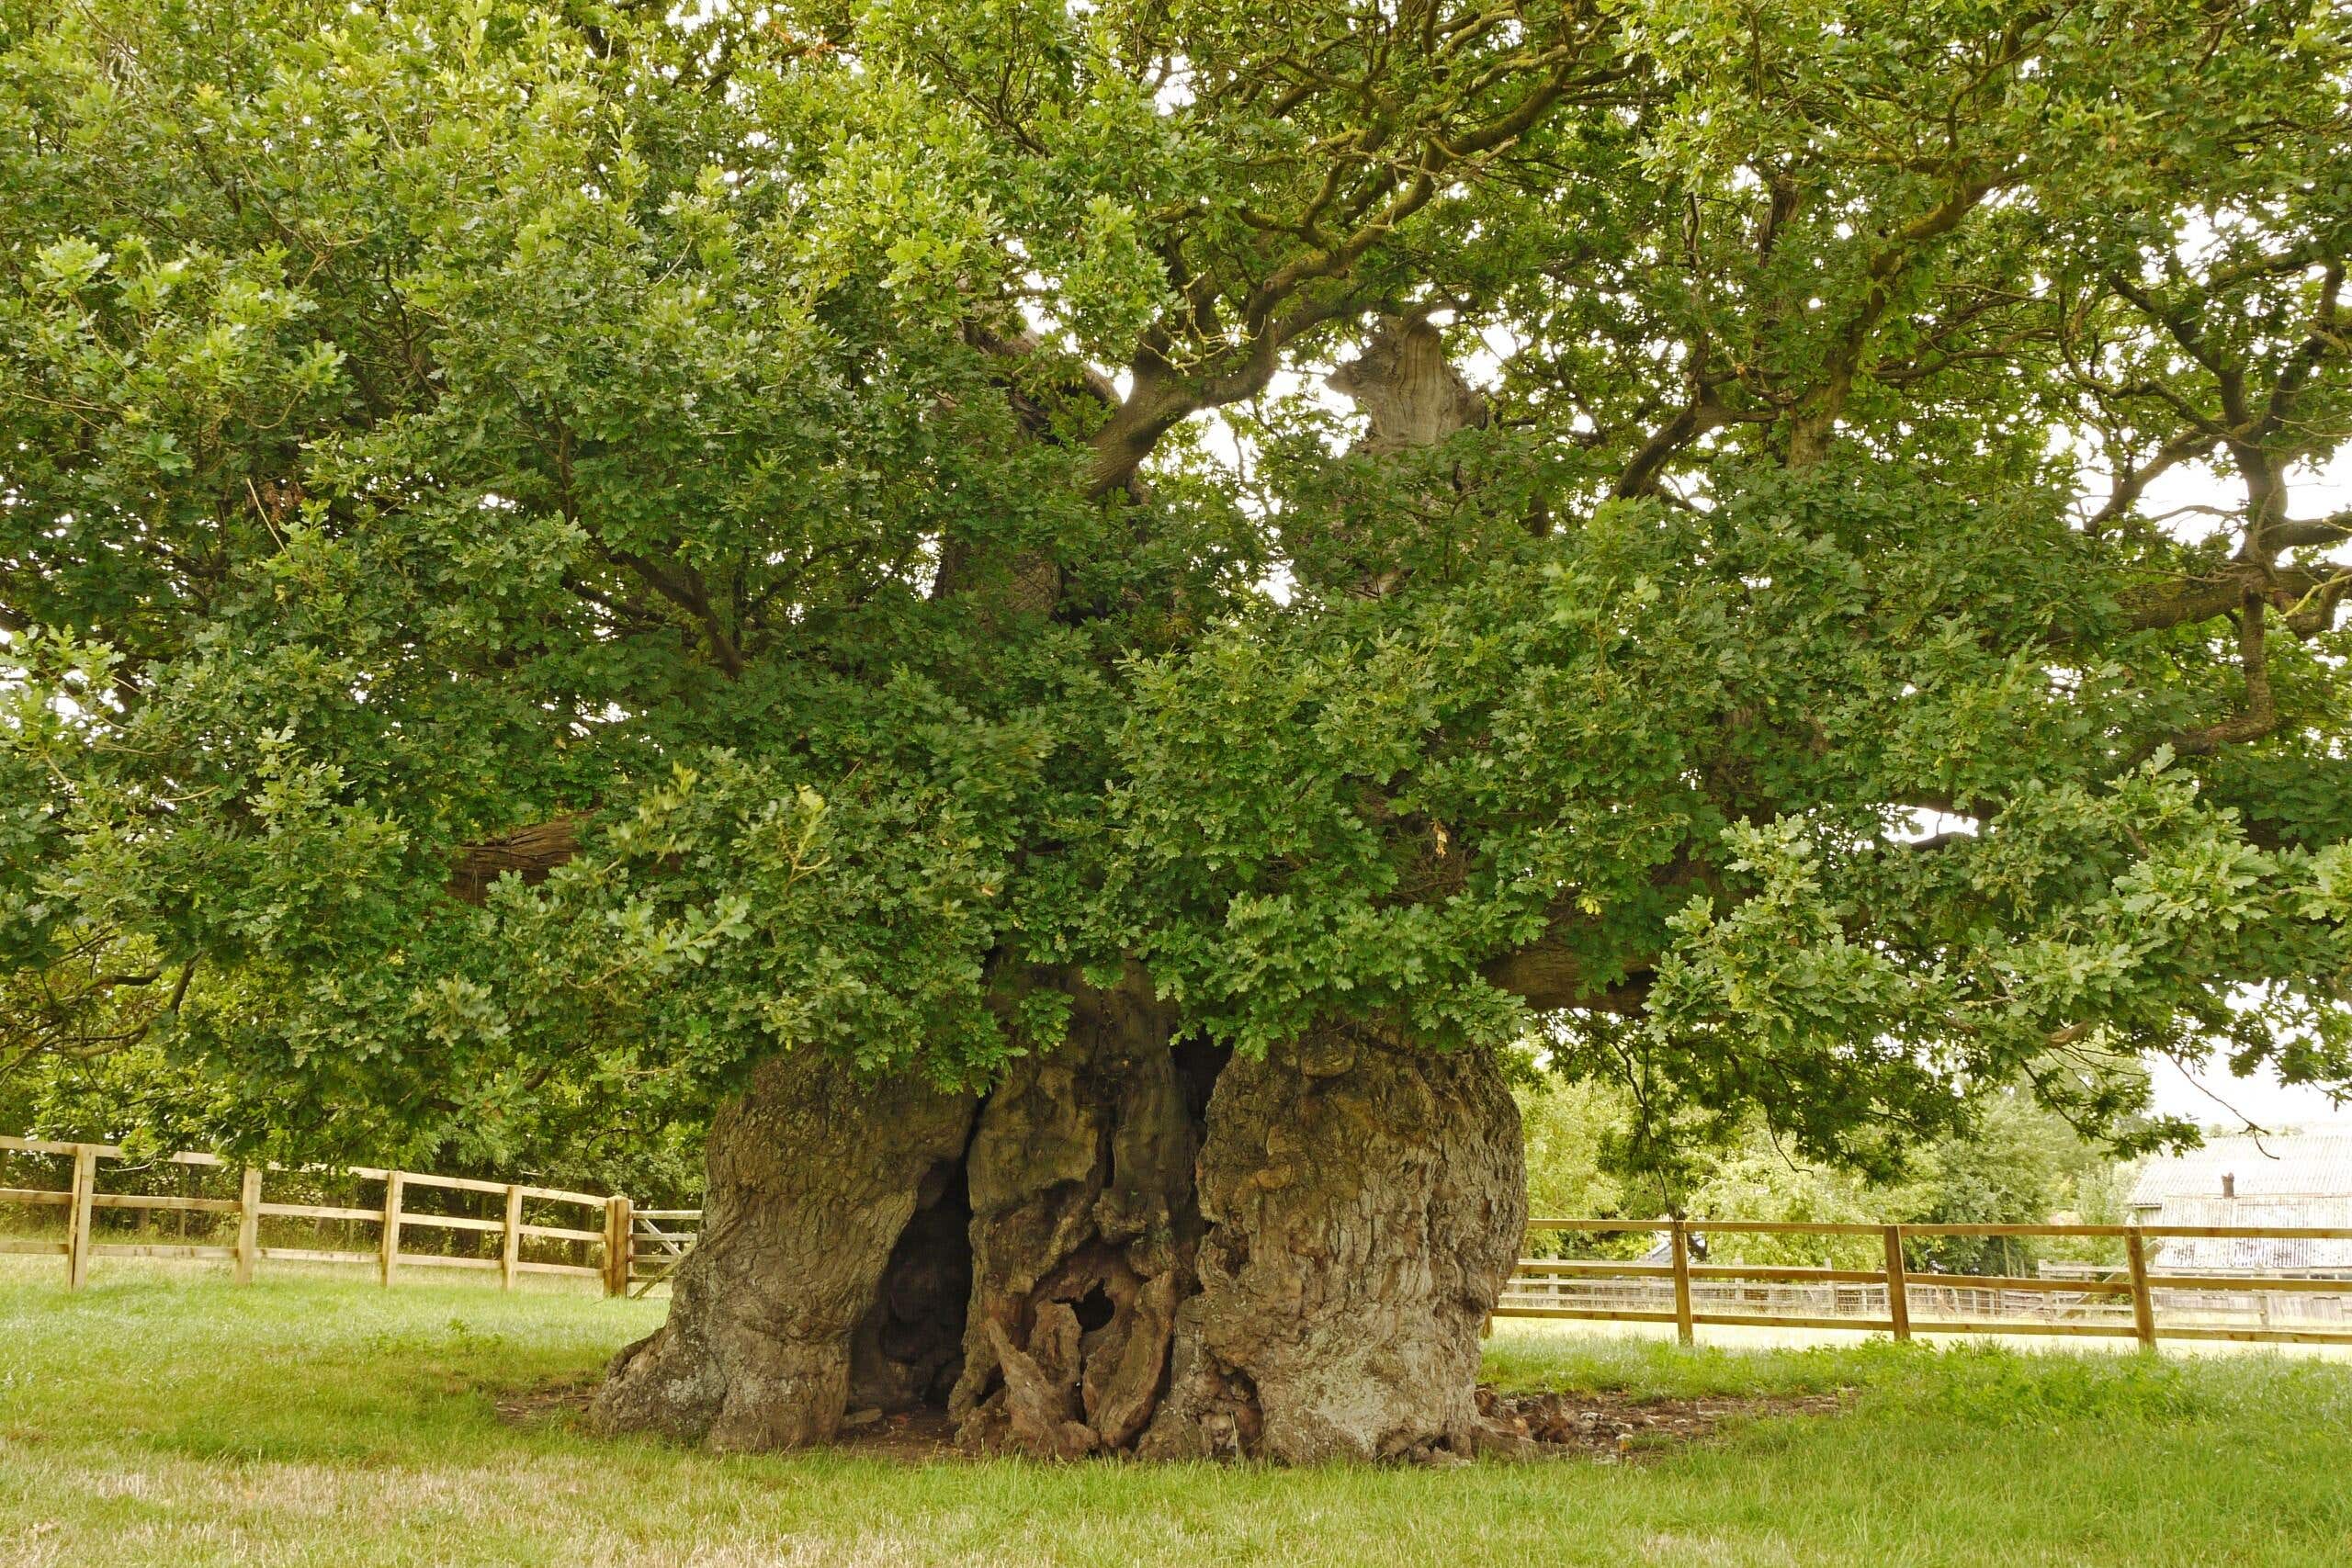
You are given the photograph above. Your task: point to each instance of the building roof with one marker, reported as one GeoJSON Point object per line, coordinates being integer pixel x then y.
{"type": "Point", "coordinates": [2286, 1165]}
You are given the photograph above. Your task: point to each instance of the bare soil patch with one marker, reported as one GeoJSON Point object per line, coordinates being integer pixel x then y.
{"type": "Point", "coordinates": [1629, 1427]}
{"type": "Point", "coordinates": [1613, 1428]}
{"type": "Point", "coordinates": [549, 1405]}
{"type": "Point", "coordinates": [916, 1437]}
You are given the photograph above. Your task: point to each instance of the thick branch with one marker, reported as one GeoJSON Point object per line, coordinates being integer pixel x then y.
{"type": "Point", "coordinates": [2202, 599]}
{"type": "Point", "coordinates": [1161, 399]}
{"type": "Point", "coordinates": [1809, 431]}
{"type": "Point", "coordinates": [2261, 716]}
{"type": "Point", "coordinates": [1688, 423]}
{"type": "Point", "coordinates": [530, 852]}
{"type": "Point", "coordinates": [1285, 304]}
{"type": "Point", "coordinates": [2292, 535]}
{"type": "Point", "coordinates": [1550, 976]}
{"type": "Point", "coordinates": [684, 588]}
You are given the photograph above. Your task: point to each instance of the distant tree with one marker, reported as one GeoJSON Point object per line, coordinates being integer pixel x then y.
{"type": "Point", "coordinates": [1568, 1128]}
{"type": "Point", "coordinates": [2017, 1163]}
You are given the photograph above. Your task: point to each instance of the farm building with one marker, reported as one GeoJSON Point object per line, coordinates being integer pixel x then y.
{"type": "Point", "coordinates": [2290, 1178]}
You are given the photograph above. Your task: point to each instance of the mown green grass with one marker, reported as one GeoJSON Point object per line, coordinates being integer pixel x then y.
{"type": "Point", "coordinates": [160, 1421]}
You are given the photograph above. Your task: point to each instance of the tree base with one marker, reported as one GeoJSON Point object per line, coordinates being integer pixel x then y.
{"type": "Point", "coordinates": [1364, 1205]}
{"type": "Point", "coordinates": [813, 1182]}
{"type": "Point", "coordinates": [1126, 1247]}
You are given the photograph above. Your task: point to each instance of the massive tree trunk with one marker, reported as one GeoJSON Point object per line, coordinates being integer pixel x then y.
{"type": "Point", "coordinates": [1364, 1203]}
{"type": "Point", "coordinates": [1143, 1245]}
{"type": "Point", "coordinates": [1135, 1243]}
{"type": "Point", "coordinates": [809, 1296]}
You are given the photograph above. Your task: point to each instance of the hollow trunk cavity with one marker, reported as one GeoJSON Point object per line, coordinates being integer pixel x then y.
{"type": "Point", "coordinates": [1133, 1244]}
{"type": "Point", "coordinates": [1083, 1232]}
{"type": "Point", "coordinates": [813, 1180]}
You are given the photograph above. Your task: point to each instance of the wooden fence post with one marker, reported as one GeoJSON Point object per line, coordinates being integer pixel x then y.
{"type": "Point", "coordinates": [1898, 1286]}
{"type": "Point", "coordinates": [510, 1247]}
{"type": "Point", "coordinates": [387, 1258]}
{"type": "Point", "coordinates": [1684, 1329]}
{"type": "Point", "coordinates": [2143, 1305]}
{"type": "Point", "coordinates": [617, 1246]}
{"type": "Point", "coordinates": [77, 1236]}
{"type": "Point", "coordinates": [248, 1224]}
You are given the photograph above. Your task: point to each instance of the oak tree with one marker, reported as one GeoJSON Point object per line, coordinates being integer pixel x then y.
{"type": "Point", "coordinates": [1061, 617]}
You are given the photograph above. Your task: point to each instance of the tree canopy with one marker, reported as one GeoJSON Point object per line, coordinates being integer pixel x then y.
{"type": "Point", "coordinates": [551, 552]}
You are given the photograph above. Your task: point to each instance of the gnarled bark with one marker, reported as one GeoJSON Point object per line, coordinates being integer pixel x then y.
{"type": "Point", "coordinates": [1364, 1204]}
{"type": "Point", "coordinates": [1410, 394]}
{"type": "Point", "coordinates": [530, 852]}
{"type": "Point", "coordinates": [1083, 1228]}
{"type": "Point", "coordinates": [1143, 1245]}
{"type": "Point", "coordinates": [1296, 1264]}
{"type": "Point", "coordinates": [814, 1178]}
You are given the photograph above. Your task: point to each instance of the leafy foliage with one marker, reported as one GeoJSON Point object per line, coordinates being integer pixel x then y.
{"type": "Point", "coordinates": [851, 477]}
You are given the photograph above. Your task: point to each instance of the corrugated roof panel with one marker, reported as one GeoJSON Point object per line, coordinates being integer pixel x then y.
{"type": "Point", "coordinates": [2299, 1165]}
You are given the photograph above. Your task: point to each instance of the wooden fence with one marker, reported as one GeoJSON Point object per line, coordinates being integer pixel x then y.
{"type": "Point", "coordinates": [643, 1248]}
{"type": "Point", "coordinates": [1882, 1299]}
{"type": "Point", "coordinates": [2133, 1285]}
{"type": "Point", "coordinates": [609, 1231]}
{"type": "Point", "coordinates": [659, 1242]}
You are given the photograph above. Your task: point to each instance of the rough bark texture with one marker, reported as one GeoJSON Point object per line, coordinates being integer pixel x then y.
{"type": "Point", "coordinates": [813, 1180]}
{"type": "Point", "coordinates": [1411, 398]}
{"type": "Point", "coordinates": [1364, 1203]}
{"type": "Point", "coordinates": [529, 852]}
{"type": "Point", "coordinates": [1409, 394]}
{"type": "Point", "coordinates": [1134, 1244]}
{"type": "Point", "coordinates": [1083, 1229]}
{"type": "Point", "coordinates": [1144, 1244]}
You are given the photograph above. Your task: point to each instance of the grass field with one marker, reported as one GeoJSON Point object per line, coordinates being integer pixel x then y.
{"type": "Point", "coordinates": [162, 1421]}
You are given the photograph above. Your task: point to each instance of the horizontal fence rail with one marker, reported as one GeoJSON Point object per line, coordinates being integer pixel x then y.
{"type": "Point", "coordinates": [1887, 1299]}
{"type": "Point", "coordinates": [607, 1232]}
{"type": "Point", "coordinates": [639, 1250]}
{"type": "Point", "coordinates": [659, 1242]}
{"type": "Point", "coordinates": [2131, 1298]}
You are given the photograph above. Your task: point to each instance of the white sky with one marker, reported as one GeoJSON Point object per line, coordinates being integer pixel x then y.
{"type": "Point", "coordinates": [2262, 1100]}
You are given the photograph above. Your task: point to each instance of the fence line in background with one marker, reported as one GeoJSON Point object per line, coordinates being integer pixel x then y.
{"type": "Point", "coordinates": [642, 1247]}
{"type": "Point", "coordinates": [1896, 1283]}
{"type": "Point", "coordinates": [664, 1237]}
{"type": "Point", "coordinates": [613, 1231]}
{"type": "Point", "coordinates": [655, 1252]}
